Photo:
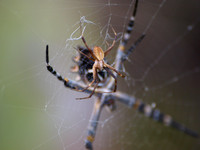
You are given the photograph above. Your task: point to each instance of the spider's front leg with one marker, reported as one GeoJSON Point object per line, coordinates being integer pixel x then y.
{"type": "Point", "coordinates": [66, 81]}
{"type": "Point", "coordinates": [90, 58]}
{"type": "Point", "coordinates": [85, 43]}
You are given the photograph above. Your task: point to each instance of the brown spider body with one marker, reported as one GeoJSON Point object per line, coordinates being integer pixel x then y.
{"type": "Point", "coordinates": [98, 52]}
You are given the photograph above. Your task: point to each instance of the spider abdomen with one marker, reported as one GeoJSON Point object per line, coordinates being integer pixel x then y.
{"type": "Point", "coordinates": [98, 52]}
{"type": "Point", "coordinates": [85, 65]}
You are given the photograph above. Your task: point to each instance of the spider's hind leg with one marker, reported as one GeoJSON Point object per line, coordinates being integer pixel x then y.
{"type": "Point", "coordinates": [91, 83]}
{"type": "Point", "coordinates": [95, 78]}
{"type": "Point", "coordinates": [91, 93]}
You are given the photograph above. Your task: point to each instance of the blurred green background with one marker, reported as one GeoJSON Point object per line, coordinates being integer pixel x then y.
{"type": "Point", "coordinates": [36, 112]}
{"type": "Point", "coordinates": [26, 27]}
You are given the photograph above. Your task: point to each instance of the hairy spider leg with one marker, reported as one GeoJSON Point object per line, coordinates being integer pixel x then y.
{"type": "Point", "coordinates": [129, 28]}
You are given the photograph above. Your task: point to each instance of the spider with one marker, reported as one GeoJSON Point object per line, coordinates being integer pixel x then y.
{"type": "Point", "coordinates": [97, 56]}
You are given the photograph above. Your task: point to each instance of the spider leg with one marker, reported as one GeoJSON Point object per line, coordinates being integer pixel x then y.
{"type": "Point", "coordinates": [112, 68]}
{"type": "Point", "coordinates": [132, 48]}
{"type": "Point", "coordinates": [91, 52]}
{"type": "Point", "coordinates": [110, 48]}
{"type": "Point", "coordinates": [107, 69]}
{"type": "Point", "coordinates": [91, 93]}
{"type": "Point", "coordinates": [50, 68]}
{"type": "Point", "coordinates": [129, 28]}
{"type": "Point", "coordinates": [87, 86]}
{"type": "Point", "coordinates": [66, 81]}
{"type": "Point", "coordinates": [94, 79]}
{"type": "Point", "coordinates": [85, 54]}
{"type": "Point", "coordinates": [84, 41]}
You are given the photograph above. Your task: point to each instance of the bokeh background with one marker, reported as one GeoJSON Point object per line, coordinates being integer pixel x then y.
{"type": "Point", "coordinates": [38, 113]}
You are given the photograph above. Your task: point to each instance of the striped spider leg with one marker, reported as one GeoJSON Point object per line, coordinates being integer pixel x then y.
{"type": "Point", "coordinates": [127, 35]}
{"type": "Point", "coordinates": [68, 83]}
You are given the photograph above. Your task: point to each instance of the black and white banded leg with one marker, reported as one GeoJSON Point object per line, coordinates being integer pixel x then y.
{"type": "Point", "coordinates": [165, 119]}
{"type": "Point", "coordinates": [129, 28]}
{"type": "Point", "coordinates": [66, 81]}
{"type": "Point", "coordinates": [127, 35]}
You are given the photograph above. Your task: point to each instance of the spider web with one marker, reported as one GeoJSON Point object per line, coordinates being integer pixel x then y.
{"type": "Point", "coordinates": [39, 113]}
